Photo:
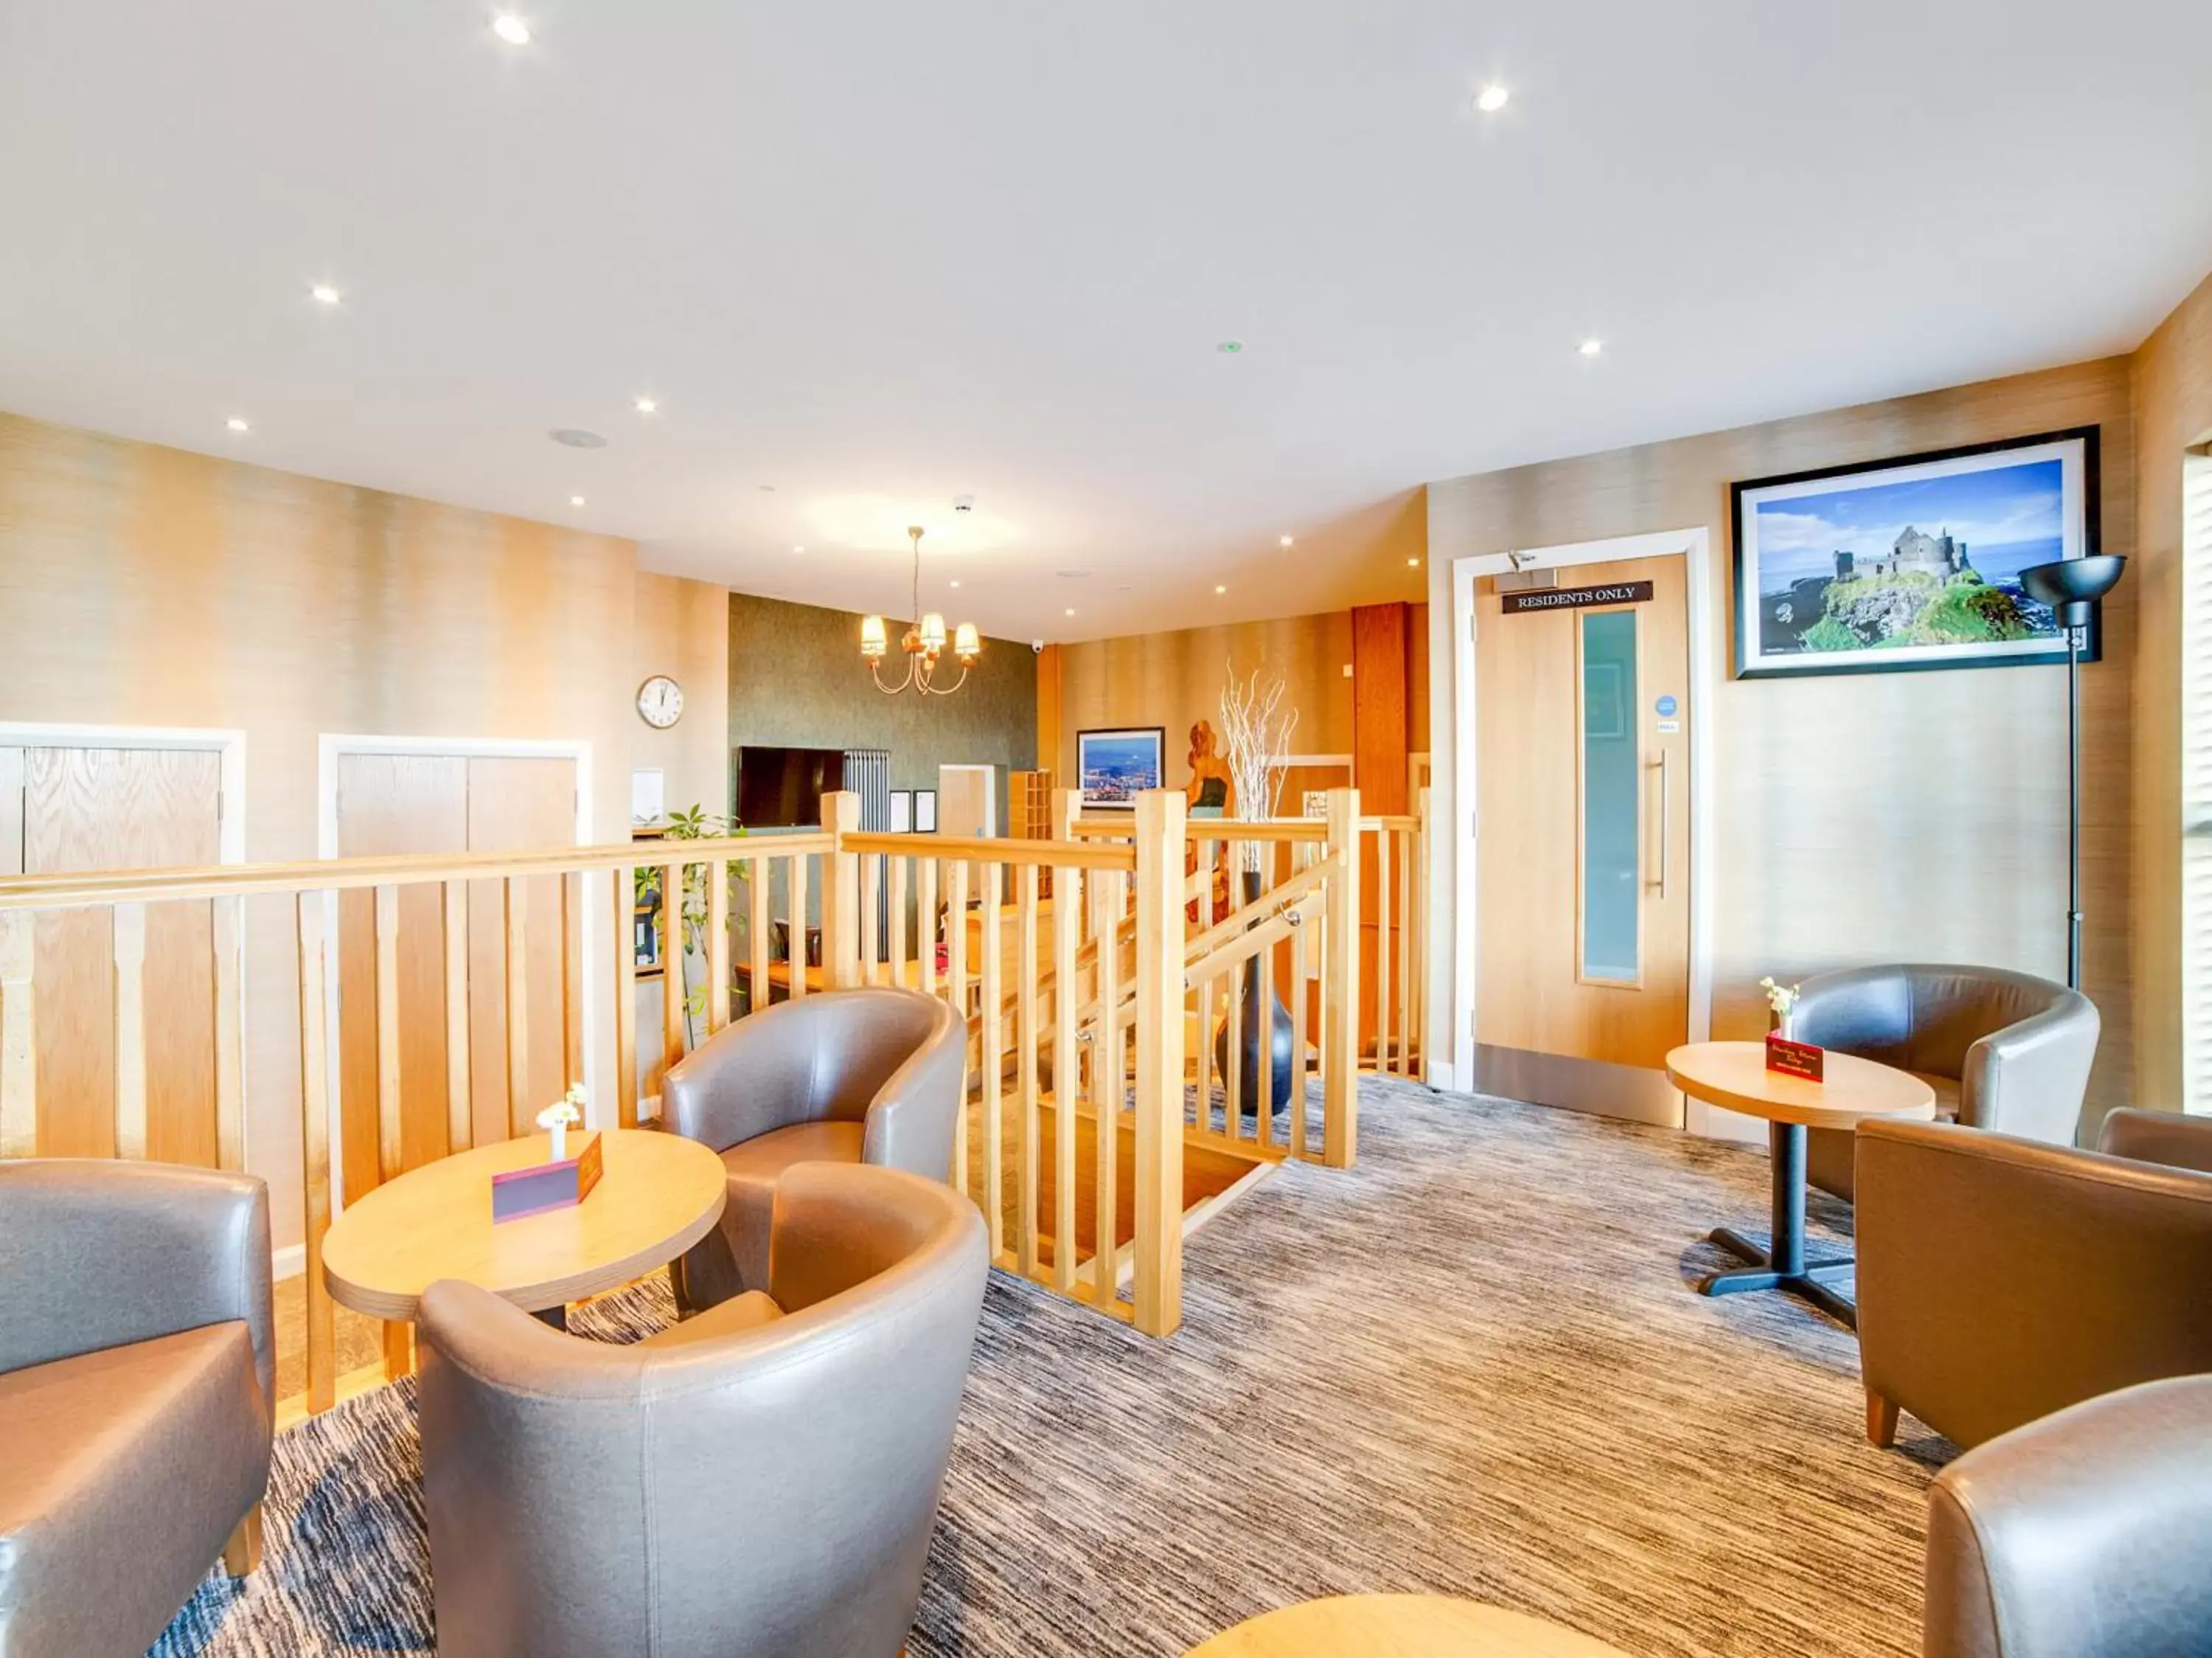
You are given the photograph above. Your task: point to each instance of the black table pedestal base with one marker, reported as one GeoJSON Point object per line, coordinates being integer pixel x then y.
{"type": "Point", "coordinates": [1782, 1265]}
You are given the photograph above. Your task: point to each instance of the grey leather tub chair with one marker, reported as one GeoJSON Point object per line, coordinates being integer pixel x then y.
{"type": "Point", "coordinates": [761, 1480]}
{"type": "Point", "coordinates": [136, 1396]}
{"type": "Point", "coordinates": [2000, 1279]}
{"type": "Point", "coordinates": [856, 1077]}
{"type": "Point", "coordinates": [2004, 1050]}
{"type": "Point", "coordinates": [2083, 1535]}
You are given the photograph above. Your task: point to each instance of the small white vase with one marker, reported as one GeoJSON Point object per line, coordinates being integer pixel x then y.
{"type": "Point", "coordinates": [559, 1142]}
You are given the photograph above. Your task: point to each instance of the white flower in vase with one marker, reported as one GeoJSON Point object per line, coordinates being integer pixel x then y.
{"type": "Point", "coordinates": [1783, 999]}
{"type": "Point", "coordinates": [557, 1117]}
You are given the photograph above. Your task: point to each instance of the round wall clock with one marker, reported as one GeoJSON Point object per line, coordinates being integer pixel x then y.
{"type": "Point", "coordinates": [660, 702]}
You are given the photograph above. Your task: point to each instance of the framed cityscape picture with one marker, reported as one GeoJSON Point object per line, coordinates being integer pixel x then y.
{"type": "Point", "coordinates": [1116, 766]}
{"type": "Point", "coordinates": [1914, 564]}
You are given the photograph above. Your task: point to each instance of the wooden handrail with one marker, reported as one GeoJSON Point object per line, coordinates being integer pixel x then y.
{"type": "Point", "coordinates": [1203, 829]}
{"type": "Point", "coordinates": [994, 848]}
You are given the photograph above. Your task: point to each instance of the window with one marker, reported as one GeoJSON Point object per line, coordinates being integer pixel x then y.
{"type": "Point", "coordinates": [2196, 781]}
{"type": "Point", "coordinates": [1612, 895]}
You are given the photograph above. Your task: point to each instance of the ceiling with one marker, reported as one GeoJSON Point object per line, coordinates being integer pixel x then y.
{"type": "Point", "coordinates": [870, 255]}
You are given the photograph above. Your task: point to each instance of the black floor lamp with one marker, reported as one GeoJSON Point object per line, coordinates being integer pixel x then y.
{"type": "Point", "coordinates": [2074, 587]}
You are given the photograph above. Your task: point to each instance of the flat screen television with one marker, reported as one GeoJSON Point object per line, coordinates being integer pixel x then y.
{"type": "Point", "coordinates": [782, 788]}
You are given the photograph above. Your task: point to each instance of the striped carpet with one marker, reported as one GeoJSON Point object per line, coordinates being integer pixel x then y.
{"type": "Point", "coordinates": [1476, 1365]}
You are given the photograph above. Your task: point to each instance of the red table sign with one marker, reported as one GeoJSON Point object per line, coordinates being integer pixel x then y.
{"type": "Point", "coordinates": [1788, 1059]}
{"type": "Point", "coordinates": [541, 1186]}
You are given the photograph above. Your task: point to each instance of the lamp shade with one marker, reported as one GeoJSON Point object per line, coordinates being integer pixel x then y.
{"type": "Point", "coordinates": [873, 640]}
{"type": "Point", "coordinates": [2070, 586]}
{"type": "Point", "coordinates": [933, 633]}
{"type": "Point", "coordinates": [965, 644]}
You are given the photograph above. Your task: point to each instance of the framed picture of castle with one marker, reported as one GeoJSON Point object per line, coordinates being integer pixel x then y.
{"type": "Point", "coordinates": [1911, 565]}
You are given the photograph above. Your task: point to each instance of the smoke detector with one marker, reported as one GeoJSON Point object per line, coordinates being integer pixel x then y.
{"type": "Point", "coordinates": [963, 504]}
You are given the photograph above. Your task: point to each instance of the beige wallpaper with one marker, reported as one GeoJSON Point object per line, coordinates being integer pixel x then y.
{"type": "Point", "coordinates": [142, 586]}
{"type": "Point", "coordinates": [2173, 412]}
{"type": "Point", "coordinates": [1872, 817]}
{"type": "Point", "coordinates": [682, 628]}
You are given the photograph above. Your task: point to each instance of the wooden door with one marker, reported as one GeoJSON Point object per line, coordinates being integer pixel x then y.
{"type": "Point", "coordinates": [521, 805]}
{"type": "Point", "coordinates": [78, 810]}
{"type": "Point", "coordinates": [392, 804]}
{"type": "Point", "coordinates": [1582, 750]}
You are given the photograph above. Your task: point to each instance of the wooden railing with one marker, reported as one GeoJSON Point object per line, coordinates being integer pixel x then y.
{"type": "Point", "coordinates": [1395, 864]}
{"type": "Point", "coordinates": [1087, 966]}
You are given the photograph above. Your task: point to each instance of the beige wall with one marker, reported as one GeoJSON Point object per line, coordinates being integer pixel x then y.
{"type": "Point", "coordinates": [1174, 679]}
{"type": "Point", "coordinates": [144, 586]}
{"type": "Point", "coordinates": [1872, 817]}
{"type": "Point", "coordinates": [682, 628]}
{"type": "Point", "coordinates": [2173, 412]}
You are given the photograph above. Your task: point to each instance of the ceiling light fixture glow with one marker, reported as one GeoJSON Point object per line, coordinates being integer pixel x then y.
{"type": "Point", "coordinates": [1492, 98]}
{"type": "Point", "coordinates": [645, 405]}
{"type": "Point", "coordinates": [1591, 347]}
{"type": "Point", "coordinates": [1221, 587]}
{"type": "Point", "coordinates": [1069, 612]}
{"type": "Point", "coordinates": [1284, 541]}
{"type": "Point", "coordinates": [238, 425]}
{"type": "Point", "coordinates": [323, 294]}
{"type": "Point", "coordinates": [575, 500]}
{"type": "Point", "coordinates": [511, 29]}
{"type": "Point", "coordinates": [1413, 563]}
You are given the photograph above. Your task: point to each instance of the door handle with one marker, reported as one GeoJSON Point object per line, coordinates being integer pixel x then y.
{"type": "Point", "coordinates": [1666, 825]}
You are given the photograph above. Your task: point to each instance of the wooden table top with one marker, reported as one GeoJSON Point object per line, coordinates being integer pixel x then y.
{"type": "Point", "coordinates": [1399, 1626]}
{"type": "Point", "coordinates": [658, 1195]}
{"type": "Point", "coordinates": [1734, 1074]}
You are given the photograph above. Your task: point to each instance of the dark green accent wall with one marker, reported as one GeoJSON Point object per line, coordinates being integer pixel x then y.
{"type": "Point", "coordinates": [797, 680]}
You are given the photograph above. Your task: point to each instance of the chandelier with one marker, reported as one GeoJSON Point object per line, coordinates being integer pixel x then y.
{"type": "Point", "coordinates": [924, 643]}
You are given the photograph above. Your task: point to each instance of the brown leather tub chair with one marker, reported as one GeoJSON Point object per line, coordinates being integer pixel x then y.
{"type": "Point", "coordinates": [760, 1479]}
{"type": "Point", "coordinates": [136, 1396]}
{"type": "Point", "coordinates": [2004, 1050]}
{"type": "Point", "coordinates": [2083, 1535]}
{"type": "Point", "coordinates": [850, 1077]}
{"type": "Point", "coordinates": [1999, 1280]}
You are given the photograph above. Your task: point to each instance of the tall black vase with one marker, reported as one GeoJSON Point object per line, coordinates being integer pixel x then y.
{"type": "Point", "coordinates": [1281, 1031]}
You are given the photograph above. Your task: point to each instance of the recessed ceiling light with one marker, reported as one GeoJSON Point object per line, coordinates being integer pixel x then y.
{"type": "Point", "coordinates": [1284, 541]}
{"type": "Point", "coordinates": [1413, 563]}
{"type": "Point", "coordinates": [1220, 587]}
{"type": "Point", "coordinates": [511, 29]}
{"type": "Point", "coordinates": [799, 549]}
{"type": "Point", "coordinates": [1068, 612]}
{"type": "Point", "coordinates": [1492, 98]}
{"type": "Point", "coordinates": [1070, 574]}
{"type": "Point", "coordinates": [956, 581]}
{"type": "Point", "coordinates": [575, 437]}
{"type": "Point", "coordinates": [645, 405]}
{"type": "Point", "coordinates": [324, 294]}
{"type": "Point", "coordinates": [238, 425]}
{"type": "Point", "coordinates": [1591, 347]}
{"type": "Point", "coordinates": [765, 489]}
{"type": "Point", "coordinates": [575, 500]}
{"type": "Point", "coordinates": [1230, 347]}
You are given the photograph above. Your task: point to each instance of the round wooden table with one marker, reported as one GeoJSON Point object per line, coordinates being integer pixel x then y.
{"type": "Point", "coordinates": [1734, 1076]}
{"type": "Point", "coordinates": [658, 1195]}
{"type": "Point", "coordinates": [1399, 1626]}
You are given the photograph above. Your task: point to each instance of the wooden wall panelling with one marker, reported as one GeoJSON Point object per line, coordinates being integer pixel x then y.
{"type": "Point", "coordinates": [11, 811]}
{"type": "Point", "coordinates": [391, 804]}
{"type": "Point", "coordinates": [1382, 738]}
{"type": "Point", "coordinates": [113, 808]}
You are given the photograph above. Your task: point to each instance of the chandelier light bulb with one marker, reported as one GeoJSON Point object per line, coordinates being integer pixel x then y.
{"type": "Point", "coordinates": [933, 633]}
{"type": "Point", "coordinates": [873, 640]}
{"type": "Point", "coordinates": [966, 644]}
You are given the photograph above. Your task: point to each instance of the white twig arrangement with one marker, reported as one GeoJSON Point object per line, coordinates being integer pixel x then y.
{"type": "Point", "coordinates": [1256, 735]}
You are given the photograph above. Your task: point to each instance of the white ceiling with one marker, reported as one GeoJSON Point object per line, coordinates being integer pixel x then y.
{"type": "Point", "coordinates": [877, 253]}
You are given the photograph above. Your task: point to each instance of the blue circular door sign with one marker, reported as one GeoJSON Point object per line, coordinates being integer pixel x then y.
{"type": "Point", "coordinates": [1665, 706]}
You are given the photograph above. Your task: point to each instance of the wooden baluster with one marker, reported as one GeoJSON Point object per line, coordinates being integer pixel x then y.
{"type": "Point", "coordinates": [1106, 1106]}
{"type": "Point", "coordinates": [1026, 1037]}
{"type": "Point", "coordinates": [1233, 1013]}
{"type": "Point", "coordinates": [572, 979]}
{"type": "Point", "coordinates": [898, 974]}
{"type": "Point", "coordinates": [1159, 826]}
{"type": "Point", "coordinates": [622, 883]}
{"type": "Point", "coordinates": [390, 1152]}
{"type": "Point", "coordinates": [718, 944]}
{"type": "Point", "coordinates": [955, 953]}
{"type": "Point", "coordinates": [1420, 941]}
{"type": "Point", "coordinates": [1382, 952]}
{"type": "Point", "coordinates": [130, 1010]}
{"type": "Point", "coordinates": [757, 994]}
{"type": "Point", "coordinates": [991, 1056]}
{"type": "Point", "coordinates": [841, 892]}
{"type": "Point", "coordinates": [1301, 975]}
{"type": "Point", "coordinates": [315, 1148]}
{"type": "Point", "coordinates": [924, 919]}
{"type": "Point", "coordinates": [521, 1115]}
{"type": "Point", "coordinates": [672, 995]}
{"type": "Point", "coordinates": [19, 1035]}
{"type": "Point", "coordinates": [1405, 952]}
{"type": "Point", "coordinates": [226, 935]}
{"type": "Point", "coordinates": [1066, 1004]}
{"type": "Point", "coordinates": [795, 923]}
{"type": "Point", "coordinates": [871, 881]}
{"type": "Point", "coordinates": [1262, 965]}
{"type": "Point", "coordinates": [1340, 987]}
{"type": "Point", "coordinates": [461, 1121]}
